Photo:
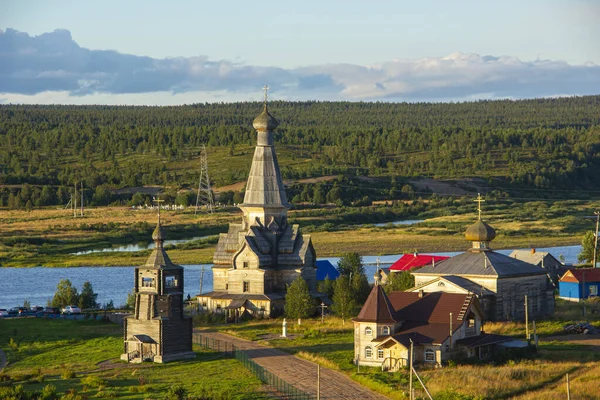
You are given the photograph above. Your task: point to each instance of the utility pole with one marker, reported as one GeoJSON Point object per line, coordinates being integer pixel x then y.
{"type": "Point", "coordinates": [82, 199]}
{"type": "Point", "coordinates": [410, 370]}
{"type": "Point", "coordinates": [204, 196]}
{"type": "Point", "coordinates": [597, 214]}
{"type": "Point", "coordinates": [526, 319]}
{"type": "Point", "coordinates": [318, 382]}
{"type": "Point", "coordinates": [568, 388]}
{"type": "Point", "coordinates": [201, 278]}
{"type": "Point", "coordinates": [451, 331]}
{"type": "Point", "coordinates": [75, 200]}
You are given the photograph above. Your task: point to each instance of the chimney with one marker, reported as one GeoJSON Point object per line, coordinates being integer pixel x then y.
{"type": "Point", "coordinates": [421, 293]}
{"type": "Point", "coordinates": [532, 250]}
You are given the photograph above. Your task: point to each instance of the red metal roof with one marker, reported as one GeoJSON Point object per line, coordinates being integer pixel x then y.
{"type": "Point", "coordinates": [410, 261]}
{"type": "Point", "coordinates": [581, 274]}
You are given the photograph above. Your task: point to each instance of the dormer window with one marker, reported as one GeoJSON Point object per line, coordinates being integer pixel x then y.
{"type": "Point", "coordinates": [385, 330]}
{"type": "Point", "coordinates": [368, 331]}
{"type": "Point", "coordinates": [245, 264]}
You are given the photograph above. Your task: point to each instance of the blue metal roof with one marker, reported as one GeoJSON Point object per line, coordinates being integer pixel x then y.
{"type": "Point", "coordinates": [324, 269]}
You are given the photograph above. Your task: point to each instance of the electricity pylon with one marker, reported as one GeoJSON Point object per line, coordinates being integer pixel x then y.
{"type": "Point", "coordinates": [205, 196]}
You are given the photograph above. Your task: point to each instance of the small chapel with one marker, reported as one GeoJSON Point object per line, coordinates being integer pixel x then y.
{"type": "Point", "coordinates": [158, 330]}
{"type": "Point", "coordinates": [259, 256]}
{"type": "Point", "coordinates": [505, 286]}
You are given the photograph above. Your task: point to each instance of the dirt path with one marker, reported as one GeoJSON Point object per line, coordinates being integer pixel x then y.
{"type": "Point", "coordinates": [298, 372]}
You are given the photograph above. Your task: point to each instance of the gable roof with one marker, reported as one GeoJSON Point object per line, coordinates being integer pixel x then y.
{"type": "Point", "coordinates": [410, 261]}
{"type": "Point", "coordinates": [426, 317]}
{"type": "Point", "coordinates": [326, 269]}
{"type": "Point", "coordinates": [487, 263]}
{"type": "Point", "coordinates": [581, 274]}
{"type": "Point", "coordinates": [459, 282]}
{"type": "Point", "coordinates": [531, 256]}
{"type": "Point", "coordinates": [377, 308]}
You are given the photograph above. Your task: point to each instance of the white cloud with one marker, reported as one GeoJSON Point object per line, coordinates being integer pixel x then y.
{"type": "Point", "coordinates": [52, 68]}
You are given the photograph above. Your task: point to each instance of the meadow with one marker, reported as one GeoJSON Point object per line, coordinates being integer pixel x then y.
{"type": "Point", "coordinates": [80, 360]}
{"type": "Point", "coordinates": [48, 236]}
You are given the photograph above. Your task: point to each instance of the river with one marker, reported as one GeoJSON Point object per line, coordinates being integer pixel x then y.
{"type": "Point", "coordinates": [37, 285]}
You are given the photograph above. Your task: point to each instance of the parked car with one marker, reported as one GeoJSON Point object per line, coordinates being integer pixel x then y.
{"type": "Point", "coordinates": [51, 310]}
{"type": "Point", "coordinates": [3, 312]}
{"type": "Point", "coordinates": [17, 311]}
{"type": "Point", "coordinates": [71, 310]}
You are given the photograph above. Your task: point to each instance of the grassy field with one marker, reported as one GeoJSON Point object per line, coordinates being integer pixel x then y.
{"type": "Point", "coordinates": [331, 345]}
{"type": "Point", "coordinates": [48, 237]}
{"type": "Point", "coordinates": [82, 358]}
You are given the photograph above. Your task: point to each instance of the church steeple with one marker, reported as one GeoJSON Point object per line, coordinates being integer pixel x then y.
{"type": "Point", "coordinates": [265, 198]}
{"type": "Point", "coordinates": [480, 233]}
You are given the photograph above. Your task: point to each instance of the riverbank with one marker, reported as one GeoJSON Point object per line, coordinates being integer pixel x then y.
{"type": "Point", "coordinates": [49, 237]}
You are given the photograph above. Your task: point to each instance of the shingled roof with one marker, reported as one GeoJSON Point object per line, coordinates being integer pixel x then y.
{"type": "Point", "coordinates": [487, 263]}
{"type": "Point", "coordinates": [581, 274]}
{"type": "Point", "coordinates": [377, 308]}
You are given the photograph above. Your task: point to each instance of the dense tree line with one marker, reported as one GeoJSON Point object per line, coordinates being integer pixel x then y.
{"type": "Point", "coordinates": [543, 143]}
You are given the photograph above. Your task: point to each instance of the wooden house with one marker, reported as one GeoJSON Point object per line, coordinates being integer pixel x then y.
{"type": "Point", "coordinates": [579, 284]}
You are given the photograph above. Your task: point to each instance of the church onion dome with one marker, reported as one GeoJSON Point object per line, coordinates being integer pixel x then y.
{"type": "Point", "coordinates": [480, 232]}
{"type": "Point", "coordinates": [159, 234]}
{"type": "Point", "coordinates": [265, 121]}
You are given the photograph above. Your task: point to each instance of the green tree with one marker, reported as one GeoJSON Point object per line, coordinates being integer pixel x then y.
{"type": "Point", "coordinates": [138, 199]}
{"type": "Point", "coordinates": [587, 248]}
{"type": "Point", "coordinates": [350, 263]}
{"type": "Point", "coordinates": [326, 286]}
{"type": "Point", "coordinates": [130, 304]}
{"type": "Point", "coordinates": [87, 298]}
{"type": "Point", "coordinates": [298, 302]}
{"type": "Point", "coordinates": [399, 281]}
{"type": "Point", "coordinates": [344, 304]}
{"type": "Point", "coordinates": [360, 288]}
{"type": "Point", "coordinates": [65, 294]}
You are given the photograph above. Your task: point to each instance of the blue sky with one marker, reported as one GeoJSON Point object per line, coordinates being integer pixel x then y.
{"type": "Point", "coordinates": [189, 51]}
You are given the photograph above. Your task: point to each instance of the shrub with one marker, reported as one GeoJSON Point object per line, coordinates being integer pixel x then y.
{"type": "Point", "coordinates": [176, 393]}
{"type": "Point", "coordinates": [93, 381]}
{"type": "Point", "coordinates": [68, 374]}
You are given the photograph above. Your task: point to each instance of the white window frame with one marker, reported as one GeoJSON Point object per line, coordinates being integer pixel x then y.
{"type": "Point", "coordinates": [385, 330]}
{"type": "Point", "coordinates": [429, 355]}
{"type": "Point", "coordinates": [368, 331]}
{"type": "Point", "coordinates": [379, 354]}
{"type": "Point", "coordinates": [593, 290]}
{"type": "Point", "coordinates": [368, 352]}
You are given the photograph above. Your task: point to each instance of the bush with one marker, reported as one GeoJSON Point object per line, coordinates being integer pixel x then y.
{"type": "Point", "coordinates": [68, 374]}
{"type": "Point", "coordinates": [177, 393]}
{"type": "Point", "coordinates": [93, 381]}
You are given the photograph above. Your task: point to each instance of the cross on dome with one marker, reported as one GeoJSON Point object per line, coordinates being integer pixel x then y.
{"type": "Point", "coordinates": [266, 89]}
{"type": "Point", "coordinates": [158, 201]}
{"type": "Point", "coordinates": [479, 200]}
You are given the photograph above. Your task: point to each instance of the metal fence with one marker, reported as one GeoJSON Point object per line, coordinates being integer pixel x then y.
{"type": "Point", "coordinates": [283, 388]}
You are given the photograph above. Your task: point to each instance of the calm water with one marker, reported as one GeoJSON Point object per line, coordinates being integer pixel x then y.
{"type": "Point", "coordinates": [404, 222]}
{"type": "Point", "coordinates": [139, 246]}
{"type": "Point", "coordinates": [113, 283]}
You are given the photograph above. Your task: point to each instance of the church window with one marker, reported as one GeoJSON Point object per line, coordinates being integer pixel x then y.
{"type": "Point", "coordinates": [147, 282]}
{"type": "Point", "coordinates": [245, 264]}
{"type": "Point", "coordinates": [227, 286]}
{"type": "Point", "coordinates": [171, 281]}
{"type": "Point", "coordinates": [429, 355]}
{"type": "Point", "coordinates": [368, 331]}
{"type": "Point", "coordinates": [380, 354]}
{"type": "Point", "coordinates": [368, 352]}
{"type": "Point", "coordinates": [246, 287]}
{"type": "Point", "coordinates": [441, 284]}
{"type": "Point", "coordinates": [386, 330]}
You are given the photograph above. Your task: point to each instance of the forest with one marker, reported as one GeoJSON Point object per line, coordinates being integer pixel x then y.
{"type": "Point", "coordinates": [540, 147]}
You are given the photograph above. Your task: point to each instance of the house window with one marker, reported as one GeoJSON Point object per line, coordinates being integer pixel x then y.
{"type": "Point", "coordinates": [429, 355]}
{"type": "Point", "coordinates": [593, 290]}
{"type": "Point", "coordinates": [245, 264]}
{"type": "Point", "coordinates": [471, 322]}
{"type": "Point", "coordinates": [368, 331]}
{"type": "Point", "coordinates": [380, 354]}
{"type": "Point", "coordinates": [368, 352]}
{"type": "Point", "coordinates": [171, 282]}
{"type": "Point", "coordinates": [147, 282]}
{"type": "Point", "coordinates": [246, 287]}
{"type": "Point", "coordinates": [386, 330]}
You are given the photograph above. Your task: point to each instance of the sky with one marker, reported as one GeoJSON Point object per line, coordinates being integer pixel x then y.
{"type": "Point", "coordinates": [181, 52]}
